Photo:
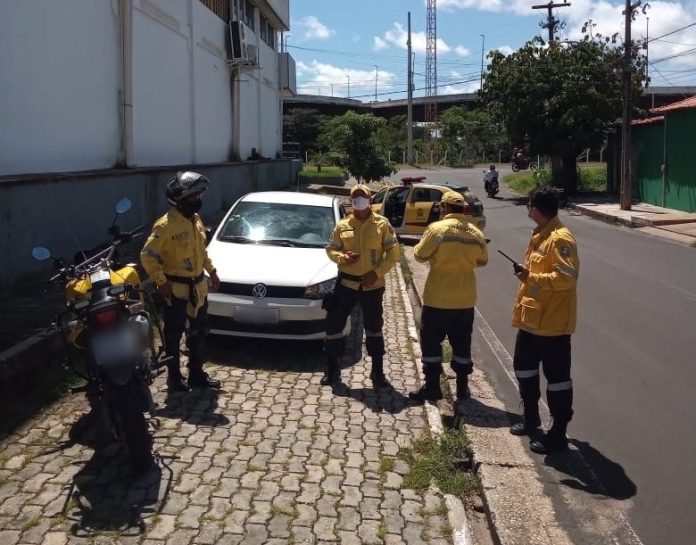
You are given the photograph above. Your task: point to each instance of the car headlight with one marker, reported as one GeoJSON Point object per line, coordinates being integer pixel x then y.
{"type": "Point", "coordinates": [317, 291]}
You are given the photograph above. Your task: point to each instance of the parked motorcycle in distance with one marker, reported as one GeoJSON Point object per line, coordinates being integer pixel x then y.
{"type": "Point", "coordinates": [109, 338]}
{"type": "Point", "coordinates": [490, 182]}
{"type": "Point", "coordinates": [520, 162]}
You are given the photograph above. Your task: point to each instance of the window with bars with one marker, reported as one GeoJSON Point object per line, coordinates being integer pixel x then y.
{"type": "Point", "coordinates": [221, 8]}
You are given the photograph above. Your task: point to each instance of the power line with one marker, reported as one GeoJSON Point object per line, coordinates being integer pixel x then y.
{"type": "Point", "coordinates": [681, 54]}
{"type": "Point", "coordinates": [660, 73]}
{"type": "Point", "coordinates": [672, 32]}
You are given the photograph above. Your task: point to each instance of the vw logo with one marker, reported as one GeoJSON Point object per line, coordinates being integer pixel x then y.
{"type": "Point", "coordinates": [259, 291]}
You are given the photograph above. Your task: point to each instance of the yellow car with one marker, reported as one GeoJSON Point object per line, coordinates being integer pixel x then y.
{"type": "Point", "coordinates": [413, 205]}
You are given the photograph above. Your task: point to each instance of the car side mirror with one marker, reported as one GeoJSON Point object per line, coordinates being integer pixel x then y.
{"type": "Point", "coordinates": [208, 234]}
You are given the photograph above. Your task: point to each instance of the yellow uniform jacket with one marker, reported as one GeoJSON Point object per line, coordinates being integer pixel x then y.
{"type": "Point", "coordinates": [177, 247]}
{"type": "Point", "coordinates": [547, 303]}
{"type": "Point", "coordinates": [374, 239]}
{"type": "Point", "coordinates": [454, 247]}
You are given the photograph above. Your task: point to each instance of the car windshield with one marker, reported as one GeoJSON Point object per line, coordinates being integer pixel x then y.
{"type": "Point", "coordinates": [279, 224]}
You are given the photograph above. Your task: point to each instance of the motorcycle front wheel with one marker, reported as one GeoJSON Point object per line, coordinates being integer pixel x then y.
{"type": "Point", "coordinates": [533, 166]}
{"type": "Point", "coordinates": [515, 167]}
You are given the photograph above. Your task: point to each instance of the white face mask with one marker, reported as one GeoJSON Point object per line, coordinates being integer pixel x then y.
{"type": "Point", "coordinates": [360, 203]}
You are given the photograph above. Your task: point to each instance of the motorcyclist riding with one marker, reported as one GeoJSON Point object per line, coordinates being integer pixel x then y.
{"type": "Point", "coordinates": [490, 181]}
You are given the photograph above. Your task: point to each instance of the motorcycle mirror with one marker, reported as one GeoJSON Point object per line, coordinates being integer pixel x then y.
{"type": "Point", "coordinates": [40, 253]}
{"type": "Point", "coordinates": [123, 206]}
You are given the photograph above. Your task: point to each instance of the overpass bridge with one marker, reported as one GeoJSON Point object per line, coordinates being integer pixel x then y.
{"type": "Point", "coordinates": [652, 97]}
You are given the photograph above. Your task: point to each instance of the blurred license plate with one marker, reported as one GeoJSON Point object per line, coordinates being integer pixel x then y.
{"type": "Point", "coordinates": [114, 348]}
{"type": "Point", "coordinates": [256, 315]}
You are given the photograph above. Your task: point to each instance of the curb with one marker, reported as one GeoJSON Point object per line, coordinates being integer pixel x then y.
{"type": "Point", "coordinates": [456, 514]}
{"type": "Point", "coordinates": [20, 362]}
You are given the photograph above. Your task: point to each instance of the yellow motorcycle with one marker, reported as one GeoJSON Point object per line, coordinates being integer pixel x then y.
{"type": "Point", "coordinates": [109, 337]}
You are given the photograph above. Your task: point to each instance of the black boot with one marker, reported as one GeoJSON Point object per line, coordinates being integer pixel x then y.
{"type": "Point", "coordinates": [463, 391]}
{"type": "Point", "coordinates": [554, 441]}
{"type": "Point", "coordinates": [332, 376]}
{"type": "Point", "coordinates": [377, 373]}
{"type": "Point", "coordinates": [175, 382]}
{"type": "Point", "coordinates": [431, 390]}
{"type": "Point", "coordinates": [530, 421]}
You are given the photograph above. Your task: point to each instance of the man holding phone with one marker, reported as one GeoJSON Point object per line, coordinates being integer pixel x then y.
{"type": "Point", "coordinates": [365, 247]}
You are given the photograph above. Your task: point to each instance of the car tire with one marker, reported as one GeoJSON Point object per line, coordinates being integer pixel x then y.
{"type": "Point", "coordinates": [353, 349]}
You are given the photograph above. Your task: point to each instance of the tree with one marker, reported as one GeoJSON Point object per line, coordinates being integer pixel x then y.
{"type": "Point", "coordinates": [352, 139]}
{"type": "Point", "coordinates": [303, 125]}
{"type": "Point", "coordinates": [460, 128]}
{"type": "Point", "coordinates": [392, 136]}
{"type": "Point", "coordinates": [559, 98]}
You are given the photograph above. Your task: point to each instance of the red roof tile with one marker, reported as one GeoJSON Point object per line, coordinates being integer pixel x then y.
{"type": "Point", "coordinates": [649, 120]}
{"type": "Point", "coordinates": [681, 105]}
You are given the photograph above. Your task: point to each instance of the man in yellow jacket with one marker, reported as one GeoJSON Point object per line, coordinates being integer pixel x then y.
{"type": "Point", "coordinates": [365, 247]}
{"type": "Point", "coordinates": [454, 248]}
{"type": "Point", "coordinates": [545, 313]}
{"type": "Point", "coordinates": [176, 259]}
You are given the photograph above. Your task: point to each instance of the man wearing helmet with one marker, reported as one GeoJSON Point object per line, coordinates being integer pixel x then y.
{"type": "Point", "coordinates": [176, 259]}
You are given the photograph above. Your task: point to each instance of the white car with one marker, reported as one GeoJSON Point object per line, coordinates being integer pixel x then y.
{"type": "Point", "coordinates": [270, 255]}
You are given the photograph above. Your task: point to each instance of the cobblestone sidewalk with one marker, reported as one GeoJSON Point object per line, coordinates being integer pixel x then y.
{"type": "Point", "coordinates": [272, 458]}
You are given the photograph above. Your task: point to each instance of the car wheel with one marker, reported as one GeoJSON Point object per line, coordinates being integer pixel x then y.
{"type": "Point", "coordinates": [353, 350]}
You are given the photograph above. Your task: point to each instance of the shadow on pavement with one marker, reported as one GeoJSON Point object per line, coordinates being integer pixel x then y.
{"type": "Point", "coordinates": [105, 496]}
{"type": "Point", "coordinates": [476, 413]}
{"type": "Point", "coordinates": [195, 407]}
{"type": "Point", "coordinates": [386, 400]}
{"type": "Point", "coordinates": [592, 472]}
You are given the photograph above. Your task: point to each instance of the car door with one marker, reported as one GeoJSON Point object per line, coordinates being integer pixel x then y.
{"type": "Point", "coordinates": [423, 209]}
{"type": "Point", "coordinates": [378, 201]}
{"type": "Point", "coordinates": [395, 206]}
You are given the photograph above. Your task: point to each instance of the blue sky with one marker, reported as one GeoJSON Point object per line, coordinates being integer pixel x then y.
{"type": "Point", "coordinates": [335, 41]}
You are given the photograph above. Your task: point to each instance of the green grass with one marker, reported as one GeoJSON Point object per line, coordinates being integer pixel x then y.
{"type": "Point", "coordinates": [437, 459]}
{"type": "Point", "coordinates": [310, 171]}
{"type": "Point", "coordinates": [590, 178]}
{"type": "Point", "coordinates": [405, 268]}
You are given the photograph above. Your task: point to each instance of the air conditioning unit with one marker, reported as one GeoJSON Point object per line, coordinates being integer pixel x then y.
{"type": "Point", "coordinates": [243, 50]}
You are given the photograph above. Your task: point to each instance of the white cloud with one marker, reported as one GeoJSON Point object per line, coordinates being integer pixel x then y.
{"type": "Point", "coordinates": [314, 29]}
{"type": "Point", "coordinates": [505, 50]}
{"type": "Point", "coordinates": [665, 16]}
{"type": "Point", "coordinates": [398, 36]}
{"type": "Point", "coordinates": [319, 78]}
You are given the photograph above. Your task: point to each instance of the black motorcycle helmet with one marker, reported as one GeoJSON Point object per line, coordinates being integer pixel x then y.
{"type": "Point", "coordinates": [185, 184]}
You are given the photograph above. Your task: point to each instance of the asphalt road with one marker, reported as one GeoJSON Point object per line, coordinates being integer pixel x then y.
{"type": "Point", "coordinates": [634, 373]}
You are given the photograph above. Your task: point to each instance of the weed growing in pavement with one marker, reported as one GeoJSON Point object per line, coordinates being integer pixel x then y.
{"type": "Point", "coordinates": [382, 531]}
{"type": "Point", "coordinates": [386, 464]}
{"type": "Point", "coordinates": [438, 460]}
{"type": "Point", "coordinates": [29, 524]}
{"type": "Point", "coordinates": [405, 268]}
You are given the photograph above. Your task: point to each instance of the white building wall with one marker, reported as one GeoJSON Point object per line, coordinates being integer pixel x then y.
{"type": "Point", "coordinates": [161, 83]}
{"type": "Point", "coordinates": [260, 127]}
{"type": "Point", "coordinates": [213, 89]}
{"type": "Point", "coordinates": [59, 85]}
{"type": "Point", "coordinates": [181, 93]}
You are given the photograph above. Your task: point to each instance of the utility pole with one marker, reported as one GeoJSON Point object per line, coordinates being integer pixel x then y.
{"type": "Point", "coordinates": [551, 22]}
{"type": "Point", "coordinates": [626, 196]}
{"type": "Point", "coordinates": [348, 76]}
{"type": "Point", "coordinates": [376, 77]}
{"type": "Point", "coordinates": [483, 48]}
{"type": "Point", "coordinates": [409, 94]}
{"type": "Point", "coordinates": [332, 90]}
{"type": "Point", "coordinates": [647, 52]}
